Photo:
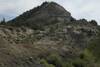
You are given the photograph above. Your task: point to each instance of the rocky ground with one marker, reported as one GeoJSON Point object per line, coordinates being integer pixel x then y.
{"type": "Point", "coordinates": [45, 43]}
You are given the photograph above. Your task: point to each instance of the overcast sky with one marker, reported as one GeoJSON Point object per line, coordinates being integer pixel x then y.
{"type": "Point", "coordinates": [89, 9]}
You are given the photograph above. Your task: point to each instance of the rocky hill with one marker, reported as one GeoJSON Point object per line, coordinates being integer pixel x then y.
{"type": "Point", "coordinates": [47, 36]}
{"type": "Point", "coordinates": [47, 13]}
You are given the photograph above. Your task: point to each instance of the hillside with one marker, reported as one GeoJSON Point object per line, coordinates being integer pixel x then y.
{"type": "Point", "coordinates": [46, 14]}
{"type": "Point", "coordinates": [48, 36]}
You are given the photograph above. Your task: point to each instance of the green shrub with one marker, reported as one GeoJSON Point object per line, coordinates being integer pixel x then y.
{"type": "Point", "coordinates": [58, 61]}
{"type": "Point", "coordinates": [94, 47]}
{"type": "Point", "coordinates": [87, 56]}
{"type": "Point", "coordinates": [78, 63]}
{"type": "Point", "coordinates": [67, 64]}
{"type": "Point", "coordinates": [55, 59]}
{"type": "Point", "coordinates": [45, 63]}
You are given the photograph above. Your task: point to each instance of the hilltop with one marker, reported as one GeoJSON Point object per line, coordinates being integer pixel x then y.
{"type": "Point", "coordinates": [48, 36]}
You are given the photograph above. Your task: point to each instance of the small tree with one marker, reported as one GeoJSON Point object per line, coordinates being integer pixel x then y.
{"type": "Point", "coordinates": [93, 22]}
{"type": "Point", "coordinates": [3, 21]}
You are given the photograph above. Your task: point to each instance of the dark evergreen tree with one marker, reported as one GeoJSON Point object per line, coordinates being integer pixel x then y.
{"type": "Point", "coordinates": [3, 22]}
{"type": "Point", "coordinates": [93, 22]}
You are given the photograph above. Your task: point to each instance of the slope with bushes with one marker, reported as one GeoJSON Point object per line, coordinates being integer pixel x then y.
{"type": "Point", "coordinates": [48, 36]}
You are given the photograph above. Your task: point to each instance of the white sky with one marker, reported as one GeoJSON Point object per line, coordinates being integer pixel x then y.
{"type": "Point", "coordinates": [89, 9]}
